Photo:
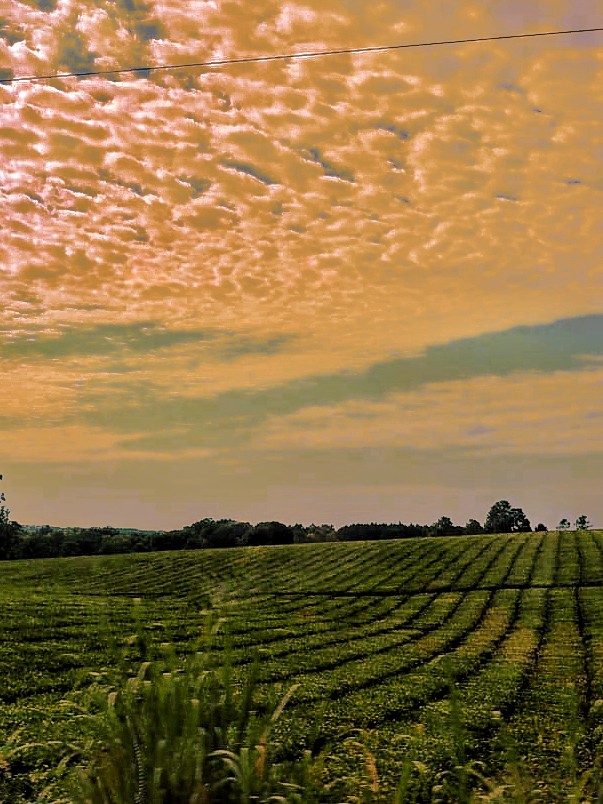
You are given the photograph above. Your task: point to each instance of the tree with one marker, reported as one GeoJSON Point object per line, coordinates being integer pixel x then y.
{"type": "Point", "coordinates": [271, 533]}
{"type": "Point", "coordinates": [502, 518]}
{"type": "Point", "coordinates": [313, 533]}
{"type": "Point", "coordinates": [443, 527]}
{"type": "Point", "coordinates": [473, 527]}
{"type": "Point", "coordinates": [582, 522]}
{"type": "Point", "coordinates": [8, 530]}
{"type": "Point", "coordinates": [229, 533]}
{"type": "Point", "coordinates": [564, 524]}
{"type": "Point", "coordinates": [540, 528]}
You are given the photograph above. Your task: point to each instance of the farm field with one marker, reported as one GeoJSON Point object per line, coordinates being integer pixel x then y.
{"type": "Point", "coordinates": [444, 651]}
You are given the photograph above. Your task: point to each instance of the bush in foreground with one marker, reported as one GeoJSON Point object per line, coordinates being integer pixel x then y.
{"type": "Point", "coordinates": [188, 736]}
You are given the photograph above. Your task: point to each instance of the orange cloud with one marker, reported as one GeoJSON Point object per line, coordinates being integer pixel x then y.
{"type": "Point", "coordinates": [364, 206]}
{"type": "Point", "coordinates": [554, 414]}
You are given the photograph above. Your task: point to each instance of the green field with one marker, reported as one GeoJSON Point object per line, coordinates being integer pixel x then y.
{"type": "Point", "coordinates": [447, 652]}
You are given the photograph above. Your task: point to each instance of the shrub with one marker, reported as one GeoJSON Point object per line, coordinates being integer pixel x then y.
{"type": "Point", "coordinates": [186, 734]}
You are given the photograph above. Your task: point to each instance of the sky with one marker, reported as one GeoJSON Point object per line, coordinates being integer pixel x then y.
{"type": "Point", "coordinates": [355, 288]}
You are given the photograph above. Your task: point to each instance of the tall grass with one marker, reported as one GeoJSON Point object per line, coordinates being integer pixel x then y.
{"type": "Point", "coordinates": [187, 734]}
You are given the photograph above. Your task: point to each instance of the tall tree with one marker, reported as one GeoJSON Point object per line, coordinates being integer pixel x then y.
{"type": "Point", "coordinates": [502, 518]}
{"type": "Point", "coordinates": [8, 530]}
{"type": "Point", "coordinates": [582, 522]}
{"type": "Point", "coordinates": [443, 527]}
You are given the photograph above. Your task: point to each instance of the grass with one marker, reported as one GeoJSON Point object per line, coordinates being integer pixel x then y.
{"type": "Point", "coordinates": [186, 733]}
{"type": "Point", "coordinates": [184, 736]}
{"type": "Point", "coordinates": [456, 669]}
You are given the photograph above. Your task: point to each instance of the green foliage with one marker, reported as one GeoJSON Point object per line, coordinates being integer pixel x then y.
{"type": "Point", "coordinates": [270, 533]}
{"type": "Point", "coordinates": [9, 530]}
{"type": "Point", "coordinates": [365, 640]}
{"type": "Point", "coordinates": [502, 518]}
{"type": "Point", "coordinates": [375, 530]}
{"type": "Point", "coordinates": [47, 542]}
{"type": "Point", "coordinates": [444, 527]}
{"type": "Point", "coordinates": [186, 735]}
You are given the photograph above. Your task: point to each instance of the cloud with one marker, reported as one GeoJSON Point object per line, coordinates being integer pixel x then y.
{"type": "Point", "coordinates": [127, 341]}
{"type": "Point", "coordinates": [313, 154]}
{"type": "Point", "coordinates": [248, 170]}
{"type": "Point", "coordinates": [82, 444]}
{"type": "Point", "coordinates": [520, 414]}
{"type": "Point", "coordinates": [103, 339]}
{"type": "Point", "coordinates": [73, 55]}
{"type": "Point", "coordinates": [239, 347]}
{"type": "Point", "coordinates": [565, 345]}
{"type": "Point", "coordinates": [45, 5]}
{"type": "Point", "coordinates": [312, 232]}
{"type": "Point", "coordinates": [392, 182]}
{"type": "Point", "coordinates": [279, 414]}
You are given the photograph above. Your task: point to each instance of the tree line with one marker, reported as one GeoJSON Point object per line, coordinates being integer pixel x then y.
{"type": "Point", "coordinates": [17, 542]}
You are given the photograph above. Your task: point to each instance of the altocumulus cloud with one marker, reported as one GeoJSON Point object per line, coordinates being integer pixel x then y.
{"type": "Point", "coordinates": [391, 175]}
{"type": "Point", "coordinates": [224, 256]}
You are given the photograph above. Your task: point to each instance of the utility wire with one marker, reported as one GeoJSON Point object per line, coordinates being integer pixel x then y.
{"type": "Point", "coordinates": [287, 56]}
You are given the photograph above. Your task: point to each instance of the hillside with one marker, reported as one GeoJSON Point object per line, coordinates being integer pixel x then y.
{"type": "Point", "coordinates": [374, 633]}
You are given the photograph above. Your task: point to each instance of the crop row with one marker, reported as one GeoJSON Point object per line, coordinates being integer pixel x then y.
{"type": "Point", "coordinates": [376, 635]}
{"type": "Point", "coordinates": [254, 573]}
{"type": "Point", "coordinates": [305, 646]}
{"type": "Point", "coordinates": [383, 636]}
{"type": "Point", "coordinates": [55, 640]}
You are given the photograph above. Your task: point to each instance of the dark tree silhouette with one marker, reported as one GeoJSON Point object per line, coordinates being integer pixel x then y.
{"type": "Point", "coordinates": [502, 518]}
{"type": "Point", "coordinates": [270, 533]}
{"type": "Point", "coordinates": [443, 527]}
{"type": "Point", "coordinates": [8, 530]}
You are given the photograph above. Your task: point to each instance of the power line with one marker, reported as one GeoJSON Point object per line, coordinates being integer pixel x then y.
{"type": "Point", "coordinates": [287, 56]}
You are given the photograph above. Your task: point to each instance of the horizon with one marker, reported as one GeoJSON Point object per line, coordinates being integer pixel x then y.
{"type": "Point", "coordinates": [354, 288]}
{"type": "Point", "coordinates": [533, 523]}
